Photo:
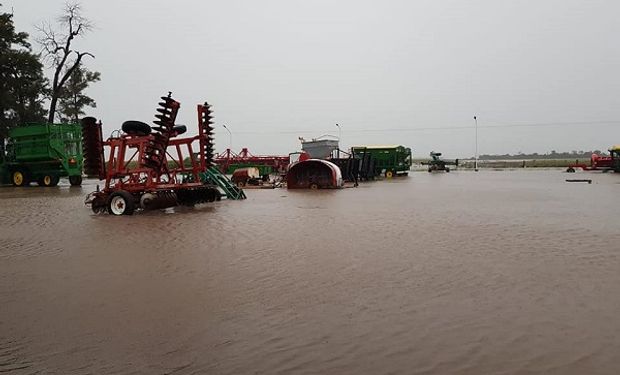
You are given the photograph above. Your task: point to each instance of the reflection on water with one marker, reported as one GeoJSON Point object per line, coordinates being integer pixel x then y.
{"type": "Point", "coordinates": [460, 273]}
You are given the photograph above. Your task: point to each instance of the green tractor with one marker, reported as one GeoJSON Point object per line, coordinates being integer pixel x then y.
{"type": "Point", "coordinates": [614, 151]}
{"type": "Point", "coordinates": [42, 153]}
{"type": "Point", "coordinates": [438, 164]}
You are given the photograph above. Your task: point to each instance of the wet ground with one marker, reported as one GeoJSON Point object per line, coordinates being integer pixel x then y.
{"type": "Point", "coordinates": [514, 272]}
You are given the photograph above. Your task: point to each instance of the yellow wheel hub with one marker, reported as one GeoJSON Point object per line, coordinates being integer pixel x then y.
{"type": "Point", "coordinates": [389, 174]}
{"type": "Point", "coordinates": [47, 180]}
{"type": "Point", "coordinates": [18, 178]}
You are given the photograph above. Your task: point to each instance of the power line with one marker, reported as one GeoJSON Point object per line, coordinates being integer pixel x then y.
{"type": "Point", "coordinates": [414, 129]}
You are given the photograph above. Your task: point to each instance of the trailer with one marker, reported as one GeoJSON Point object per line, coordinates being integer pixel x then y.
{"type": "Point", "coordinates": [42, 153]}
{"type": "Point", "coordinates": [389, 161]}
{"type": "Point", "coordinates": [246, 176]}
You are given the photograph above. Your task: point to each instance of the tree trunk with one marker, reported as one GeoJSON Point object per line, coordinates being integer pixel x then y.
{"type": "Point", "coordinates": [50, 117]}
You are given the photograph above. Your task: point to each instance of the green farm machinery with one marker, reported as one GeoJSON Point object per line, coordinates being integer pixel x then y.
{"type": "Point", "coordinates": [614, 151]}
{"type": "Point", "coordinates": [438, 164]}
{"type": "Point", "coordinates": [389, 161]}
{"type": "Point", "coordinates": [42, 153]}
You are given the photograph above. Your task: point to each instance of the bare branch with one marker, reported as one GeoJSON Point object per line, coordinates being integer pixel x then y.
{"type": "Point", "coordinates": [57, 48]}
{"type": "Point", "coordinates": [75, 65]}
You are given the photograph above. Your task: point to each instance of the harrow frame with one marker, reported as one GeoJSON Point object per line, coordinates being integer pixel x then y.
{"type": "Point", "coordinates": [154, 170]}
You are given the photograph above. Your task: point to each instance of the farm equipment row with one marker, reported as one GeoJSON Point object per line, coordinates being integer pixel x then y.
{"type": "Point", "coordinates": [151, 167]}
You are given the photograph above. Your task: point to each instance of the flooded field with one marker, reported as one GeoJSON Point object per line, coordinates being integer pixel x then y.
{"type": "Point", "coordinates": [514, 272]}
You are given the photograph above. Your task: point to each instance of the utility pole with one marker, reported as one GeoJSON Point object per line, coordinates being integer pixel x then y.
{"type": "Point", "coordinates": [339, 138]}
{"type": "Point", "coordinates": [476, 156]}
{"type": "Point", "coordinates": [229, 137]}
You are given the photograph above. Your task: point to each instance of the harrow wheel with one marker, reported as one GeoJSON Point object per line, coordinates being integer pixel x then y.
{"type": "Point", "coordinates": [121, 203]}
{"type": "Point", "coordinates": [98, 205]}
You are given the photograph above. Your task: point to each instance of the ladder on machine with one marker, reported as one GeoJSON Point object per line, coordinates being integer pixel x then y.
{"type": "Point", "coordinates": [213, 176]}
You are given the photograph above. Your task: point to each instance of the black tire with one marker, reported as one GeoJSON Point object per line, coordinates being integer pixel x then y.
{"type": "Point", "coordinates": [121, 203]}
{"type": "Point", "coordinates": [570, 170]}
{"type": "Point", "coordinates": [98, 205]}
{"type": "Point", "coordinates": [133, 127]}
{"type": "Point", "coordinates": [180, 129]}
{"type": "Point", "coordinates": [75, 180]}
{"type": "Point", "coordinates": [55, 180]}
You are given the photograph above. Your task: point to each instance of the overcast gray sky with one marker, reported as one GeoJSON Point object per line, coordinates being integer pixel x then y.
{"type": "Point", "coordinates": [540, 75]}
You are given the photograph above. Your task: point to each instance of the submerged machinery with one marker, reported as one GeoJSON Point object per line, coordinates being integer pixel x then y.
{"type": "Point", "coordinates": [228, 162]}
{"type": "Point", "coordinates": [614, 151]}
{"type": "Point", "coordinates": [438, 164]}
{"type": "Point", "coordinates": [597, 163]}
{"type": "Point", "coordinates": [389, 161]}
{"type": "Point", "coordinates": [151, 167]}
{"type": "Point", "coordinates": [41, 153]}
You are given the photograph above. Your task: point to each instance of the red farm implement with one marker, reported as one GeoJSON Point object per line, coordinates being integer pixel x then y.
{"type": "Point", "coordinates": [151, 167]}
{"type": "Point", "coordinates": [227, 161]}
{"type": "Point", "coordinates": [597, 163]}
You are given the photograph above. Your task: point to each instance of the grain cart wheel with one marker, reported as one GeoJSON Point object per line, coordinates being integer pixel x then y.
{"type": "Point", "coordinates": [75, 180]}
{"type": "Point", "coordinates": [314, 186]}
{"type": "Point", "coordinates": [121, 203]}
{"type": "Point", "coordinates": [18, 178]}
{"type": "Point", "coordinates": [389, 174]}
{"type": "Point", "coordinates": [55, 180]}
{"type": "Point", "coordinates": [45, 180]}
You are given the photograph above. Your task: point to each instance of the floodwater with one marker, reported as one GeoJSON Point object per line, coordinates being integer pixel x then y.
{"type": "Point", "coordinates": [514, 272]}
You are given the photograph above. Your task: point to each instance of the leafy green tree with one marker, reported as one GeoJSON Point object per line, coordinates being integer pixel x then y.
{"type": "Point", "coordinates": [72, 100]}
{"type": "Point", "coordinates": [22, 83]}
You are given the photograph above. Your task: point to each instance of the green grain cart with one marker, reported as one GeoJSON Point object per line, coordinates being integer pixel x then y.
{"type": "Point", "coordinates": [42, 153]}
{"type": "Point", "coordinates": [389, 161]}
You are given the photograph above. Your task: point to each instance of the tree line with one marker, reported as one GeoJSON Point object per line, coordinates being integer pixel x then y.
{"type": "Point", "coordinates": [547, 156]}
{"type": "Point", "coordinates": [24, 87]}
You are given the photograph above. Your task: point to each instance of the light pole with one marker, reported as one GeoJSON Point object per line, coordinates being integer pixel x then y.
{"type": "Point", "coordinates": [339, 138]}
{"type": "Point", "coordinates": [476, 155]}
{"type": "Point", "coordinates": [229, 137]}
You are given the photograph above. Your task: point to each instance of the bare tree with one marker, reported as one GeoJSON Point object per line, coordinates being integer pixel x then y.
{"type": "Point", "coordinates": [58, 49]}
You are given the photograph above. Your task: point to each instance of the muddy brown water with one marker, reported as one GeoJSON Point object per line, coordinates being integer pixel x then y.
{"type": "Point", "coordinates": [514, 272]}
